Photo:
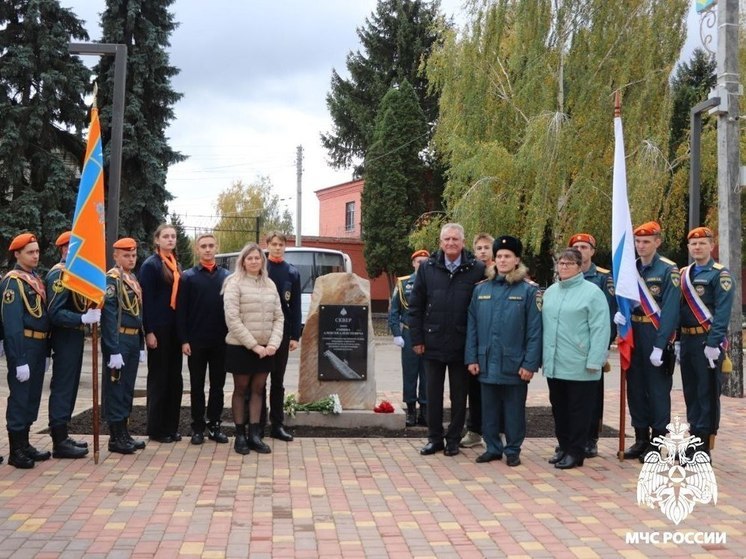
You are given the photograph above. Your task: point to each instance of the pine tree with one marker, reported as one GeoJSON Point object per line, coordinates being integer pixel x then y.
{"type": "Point", "coordinates": [391, 199]}
{"type": "Point", "coordinates": [184, 247]}
{"type": "Point", "coordinates": [396, 39]}
{"type": "Point", "coordinates": [144, 26]}
{"type": "Point", "coordinates": [42, 115]}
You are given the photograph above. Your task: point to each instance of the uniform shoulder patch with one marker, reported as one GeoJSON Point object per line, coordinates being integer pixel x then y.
{"type": "Point", "coordinates": [539, 299]}
{"type": "Point", "coordinates": [718, 266]}
{"type": "Point", "coordinates": [57, 286]}
{"type": "Point", "coordinates": [668, 261]}
{"type": "Point", "coordinates": [675, 278]}
{"type": "Point", "coordinates": [726, 282]}
{"type": "Point", "coordinates": [9, 296]}
{"type": "Point", "coordinates": [111, 291]}
{"type": "Point", "coordinates": [603, 270]}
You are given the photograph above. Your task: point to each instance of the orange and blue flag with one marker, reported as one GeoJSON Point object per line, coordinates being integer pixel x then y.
{"type": "Point", "coordinates": [86, 259]}
{"type": "Point", "coordinates": [623, 249]}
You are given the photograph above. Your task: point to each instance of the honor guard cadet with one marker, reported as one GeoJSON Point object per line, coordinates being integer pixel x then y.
{"type": "Point", "coordinates": [601, 277]}
{"type": "Point", "coordinates": [122, 344]}
{"type": "Point", "coordinates": [707, 289]}
{"type": "Point", "coordinates": [412, 365]}
{"type": "Point", "coordinates": [68, 315]}
{"type": "Point", "coordinates": [26, 324]}
{"type": "Point", "coordinates": [654, 324]}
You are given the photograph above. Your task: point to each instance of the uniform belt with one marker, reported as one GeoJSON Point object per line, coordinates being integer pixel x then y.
{"type": "Point", "coordinates": [35, 334]}
{"type": "Point", "coordinates": [693, 330]}
{"type": "Point", "coordinates": [129, 331]}
{"type": "Point", "coordinates": [638, 318]}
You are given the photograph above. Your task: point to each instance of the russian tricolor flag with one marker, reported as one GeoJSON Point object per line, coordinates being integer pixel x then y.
{"type": "Point", "coordinates": [623, 249]}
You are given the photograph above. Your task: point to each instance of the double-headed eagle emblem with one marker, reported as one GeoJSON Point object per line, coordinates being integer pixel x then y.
{"type": "Point", "coordinates": [678, 476]}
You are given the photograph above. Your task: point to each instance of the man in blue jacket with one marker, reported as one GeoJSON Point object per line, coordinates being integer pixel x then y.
{"type": "Point", "coordinates": [503, 348]}
{"type": "Point", "coordinates": [437, 321]}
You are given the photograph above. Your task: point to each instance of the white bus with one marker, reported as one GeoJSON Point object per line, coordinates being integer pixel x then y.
{"type": "Point", "coordinates": [311, 262]}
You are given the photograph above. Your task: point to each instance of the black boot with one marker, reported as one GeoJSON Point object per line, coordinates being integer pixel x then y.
{"type": "Point", "coordinates": [411, 415]}
{"type": "Point", "coordinates": [279, 432]}
{"type": "Point", "coordinates": [642, 438]}
{"type": "Point", "coordinates": [255, 439]}
{"type": "Point", "coordinates": [652, 447]}
{"type": "Point", "coordinates": [215, 434]}
{"type": "Point", "coordinates": [32, 452]}
{"type": "Point", "coordinates": [241, 445]}
{"type": "Point", "coordinates": [117, 441]}
{"type": "Point", "coordinates": [422, 418]}
{"type": "Point", "coordinates": [63, 446]}
{"type": "Point", "coordinates": [138, 444]}
{"type": "Point", "coordinates": [17, 455]}
{"type": "Point", "coordinates": [591, 448]}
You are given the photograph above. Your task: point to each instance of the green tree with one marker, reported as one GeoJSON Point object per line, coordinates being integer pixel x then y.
{"type": "Point", "coordinates": [395, 40]}
{"type": "Point", "coordinates": [525, 123]}
{"type": "Point", "coordinates": [145, 27]}
{"type": "Point", "coordinates": [42, 114]}
{"type": "Point", "coordinates": [248, 211]}
{"type": "Point", "coordinates": [184, 245]}
{"type": "Point", "coordinates": [391, 199]}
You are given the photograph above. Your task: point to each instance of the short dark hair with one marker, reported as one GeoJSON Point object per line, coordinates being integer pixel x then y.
{"type": "Point", "coordinates": [279, 234]}
{"type": "Point", "coordinates": [572, 254]}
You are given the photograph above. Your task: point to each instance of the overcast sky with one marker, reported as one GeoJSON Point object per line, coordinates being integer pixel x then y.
{"type": "Point", "coordinates": [255, 74]}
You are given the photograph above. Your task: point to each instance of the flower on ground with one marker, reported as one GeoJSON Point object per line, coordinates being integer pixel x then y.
{"type": "Point", "coordinates": [330, 404]}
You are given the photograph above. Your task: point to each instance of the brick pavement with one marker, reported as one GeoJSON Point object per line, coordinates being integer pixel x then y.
{"type": "Point", "coordinates": [357, 498]}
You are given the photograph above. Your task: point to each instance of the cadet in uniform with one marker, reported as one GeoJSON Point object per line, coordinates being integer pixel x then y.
{"type": "Point", "coordinates": [601, 277]}
{"type": "Point", "coordinates": [26, 324]}
{"type": "Point", "coordinates": [412, 365]}
{"type": "Point", "coordinates": [68, 315]}
{"type": "Point", "coordinates": [122, 345]}
{"type": "Point", "coordinates": [503, 348]}
{"type": "Point", "coordinates": [654, 323]}
{"type": "Point", "coordinates": [705, 313]}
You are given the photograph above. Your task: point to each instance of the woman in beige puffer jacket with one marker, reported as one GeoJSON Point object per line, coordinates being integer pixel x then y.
{"type": "Point", "coordinates": [255, 325]}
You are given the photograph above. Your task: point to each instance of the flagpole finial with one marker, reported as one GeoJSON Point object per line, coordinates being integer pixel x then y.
{"type": "Point", "coordinates": [95, 94]}
{"type": "Point", "coordinates": [617, 104]}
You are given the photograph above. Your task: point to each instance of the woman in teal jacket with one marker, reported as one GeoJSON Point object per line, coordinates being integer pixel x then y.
{"type": "Point", "coordinates": [503, 347]}
{"type": "Point", "coordinates": [575, 319]}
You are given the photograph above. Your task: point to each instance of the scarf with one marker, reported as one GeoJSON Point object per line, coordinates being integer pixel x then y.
{"type": "Point", "coordinates": [209, 266]}
{"type": "Point", "coordinates": [170, 263]}
{"type": "Point", "coordinates": [275, 259]}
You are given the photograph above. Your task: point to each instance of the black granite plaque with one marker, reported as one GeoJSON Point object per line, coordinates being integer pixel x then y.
{"type": "Point", "coordinates": [343, 342]}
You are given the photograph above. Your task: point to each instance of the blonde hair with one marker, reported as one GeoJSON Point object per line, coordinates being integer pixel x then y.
{"type": "Point", "coordinates": [239, 272]}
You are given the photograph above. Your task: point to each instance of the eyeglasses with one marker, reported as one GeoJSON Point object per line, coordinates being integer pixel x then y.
{"type": "Point", "coordinates": [566, 264]}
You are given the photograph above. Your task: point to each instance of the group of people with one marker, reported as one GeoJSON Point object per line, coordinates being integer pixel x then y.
{"type": "Point", "coordinates": [480, 318]}
{"type": "Point", "coordinates": [244, 323]}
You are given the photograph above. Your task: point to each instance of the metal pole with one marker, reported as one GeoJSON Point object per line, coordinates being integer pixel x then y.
{"type": "Point", "coordinates": [694, 168]}
{"type": "Point", "coordinates": [298, 202]}
{"type": "Point", "coordinates": [729, 189]}
{"type": "Point", "coordinates": [117, 130]}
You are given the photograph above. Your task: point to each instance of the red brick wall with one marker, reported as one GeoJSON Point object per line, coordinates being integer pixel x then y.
{"type": "Point", "coordinates": [332, 209]}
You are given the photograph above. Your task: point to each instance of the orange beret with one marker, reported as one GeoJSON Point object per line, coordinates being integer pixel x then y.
{"type": "Point", "coordinates": [582, 238]}
{"type": "Point", "coordinates": [418, 253]}
{"type": "Point", "coordinates": [22, 240]}
{"type": "Point", "coordinates": [700, 233]}
{"type": "Point", "coordinates": [647, 229]}
{"type": "Point", "coordinates": [125, 243]}
{"type": "Point", "coordinates": [63, 239]}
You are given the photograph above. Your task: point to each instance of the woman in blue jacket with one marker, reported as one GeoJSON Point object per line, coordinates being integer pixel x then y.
{"type": "Point", "coordinates": [575, 319]}
{"type": "Point", "coordinates": [503, 347]}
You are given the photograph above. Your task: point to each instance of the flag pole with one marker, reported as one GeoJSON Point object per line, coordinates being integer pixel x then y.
{"type": "Point", "coordinates": [623, 373]}
{"type": "Point", "coordinates": [94, 385]}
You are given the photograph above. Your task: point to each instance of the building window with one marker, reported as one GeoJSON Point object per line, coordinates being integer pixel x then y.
{"type": "Point", "coordinates": [350, 216]}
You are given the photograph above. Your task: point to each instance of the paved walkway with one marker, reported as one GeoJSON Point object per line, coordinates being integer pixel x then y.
{"type": "Point", "coordinates": [359, 498]}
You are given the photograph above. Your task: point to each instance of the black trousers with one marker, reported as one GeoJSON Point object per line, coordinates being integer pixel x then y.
{"type": "Point", "coordinates": [165, 385]}
{"type": "Point", "coordinates": [597, 411]}
{"type": "Point", "coordinates": [200, 359]}
{"type": "Point", "coordinates": [572, 413]}
{"type": "Point", "coordinates": [458, 383]}
{"type": "Point", "coordinates": [474, 424]}
{"type": "Point", "coordinates": [276, 387]}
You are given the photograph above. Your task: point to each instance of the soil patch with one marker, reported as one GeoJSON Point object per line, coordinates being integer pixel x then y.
{"type": "Point", "coordinates": [539, 421]}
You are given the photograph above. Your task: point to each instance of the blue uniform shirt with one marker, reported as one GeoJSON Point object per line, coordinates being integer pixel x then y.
{"type": "Point", "coordinates": [664, 283]}
{"type": "Point", "coordinates": [714, 285]}
{"type": "Point", "coordinates": [400, 304]}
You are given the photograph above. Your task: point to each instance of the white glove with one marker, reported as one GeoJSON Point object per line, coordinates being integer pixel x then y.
{"type": "Point", "coordinates": [656, 358]}
{"type": "Point", "coordinates": [115, 361]}
{"type": "Point", "coordinates": [47, 363]}
{"type": "Point", "coordinates": [398, 341]}
{"type": "Point", "coordinates": [23, 373]}
{"type": "Point", "coordinates": [677, 351]}
{"type": "Point", "coordinates": [142, 356]}
{"type": "Point", "coordinates": [619, 319]}
{"type": "Point", "coordinates": [2, 348]}
{"type": "Point", "coordinates": [91, 316]}
{"type": "Point", "coordinates": [712, 354]}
